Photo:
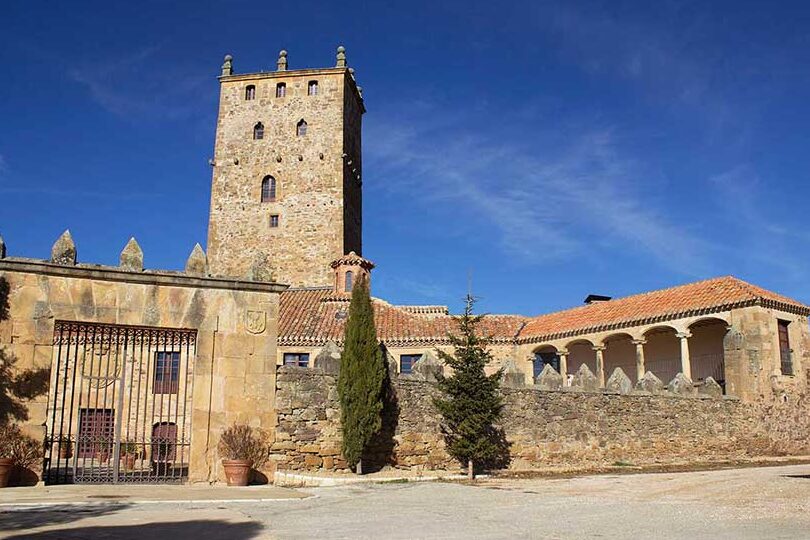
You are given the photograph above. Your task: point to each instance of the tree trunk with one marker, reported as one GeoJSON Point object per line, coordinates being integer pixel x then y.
{"type": "Point", "coordinates": [470, 473]}
{"type": "Point", "coordinates": [359, 468]}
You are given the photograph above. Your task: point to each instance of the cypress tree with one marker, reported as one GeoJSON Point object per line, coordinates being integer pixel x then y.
{"type": "Point", "coordinates": [360, 383]}
{"type": "Point", "coordinates": [471, 403]}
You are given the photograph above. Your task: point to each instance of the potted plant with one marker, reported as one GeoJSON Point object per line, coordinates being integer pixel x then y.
{"type": "Point", "coordinates": [65, 447]}
{"type": "Point", "coordinates": [129, 453]}
{"type": "Point", "coordinates": [103, 447]}
{"type": "Point", "coordinates": [18, 452]}
{"type": "Point", "coordinates": [242, 448]}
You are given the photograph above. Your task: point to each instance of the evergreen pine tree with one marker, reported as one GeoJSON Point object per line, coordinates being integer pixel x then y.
{"type": "Point", "coordinates": [471, 404]}
{"type": "Point", "coordinates": [360, 383]}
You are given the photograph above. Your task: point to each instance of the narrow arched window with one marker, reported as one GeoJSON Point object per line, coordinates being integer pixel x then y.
{"type": "Point", "coordinates": [312, 88]}
{"type": "Point", "coordinates": [281, 89]}
{"type": "Point", "coordinates": [301, 128]}
{"type": "Point", "coordinates": [250, 92]}
{"type": "Point", "coordinates": [349, 280]}
{"type": "Point", "coordinates": [268, 189]}
{"type": "Point", "coordinates": [258, 131]}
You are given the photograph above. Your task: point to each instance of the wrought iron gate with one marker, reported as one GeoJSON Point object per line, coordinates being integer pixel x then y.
{"type": "Point", "coordinates": [120, 404]}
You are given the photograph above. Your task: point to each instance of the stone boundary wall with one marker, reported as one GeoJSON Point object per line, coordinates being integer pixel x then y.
{"type": "Point", "coordinates": [545, 428]}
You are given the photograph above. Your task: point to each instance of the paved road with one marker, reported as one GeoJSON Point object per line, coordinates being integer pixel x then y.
{"type": "Point", "coordinates": [758, 503]}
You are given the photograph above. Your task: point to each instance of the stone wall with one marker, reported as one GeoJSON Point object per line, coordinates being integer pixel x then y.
{"type": "Point", "coordinates": [318, 195]}
{"type": "Point", "coordinates": [561, 429]}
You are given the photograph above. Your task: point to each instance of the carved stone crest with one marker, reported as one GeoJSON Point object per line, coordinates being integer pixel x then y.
{"type": "Point", "coordinates": [255, 321]}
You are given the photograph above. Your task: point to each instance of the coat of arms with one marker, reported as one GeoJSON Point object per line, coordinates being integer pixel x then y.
{"type": "Point", "coordinates": [255, 321]}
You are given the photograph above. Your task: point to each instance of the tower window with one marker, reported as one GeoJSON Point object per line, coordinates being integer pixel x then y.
{"type": "Point", "coordinates": [250, 92]}
{"type": "Point", "coordinates": [258, 131]}
{"type": "Point", "coordinates": [312, 88]}
{"type": "Point", "coordinates": [274, 221]}
{"type": "Point", "coordinates": [281, 89]}
{"type": "Point", "coordinates": [268, 189]}
{"type": "Point", "coordinates": [784, 347]}
{"type": "Point", "coordinates": [349, 281]}
{"type": "Point", "coordinates": [301, 128]}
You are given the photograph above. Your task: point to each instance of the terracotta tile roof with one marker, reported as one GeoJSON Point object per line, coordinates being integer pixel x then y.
{"type": "Point", "coordinates": [315, 316]}
{"type": "Point", "coordinates": [712, 295]}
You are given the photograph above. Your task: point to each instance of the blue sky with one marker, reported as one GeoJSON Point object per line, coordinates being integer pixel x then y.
{"type": "Point", "coordinates": [549, 149]}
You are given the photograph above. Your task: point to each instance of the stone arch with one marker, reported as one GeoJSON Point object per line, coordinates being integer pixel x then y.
{"type": "Point", "coordinates": [580, 351]}
{"type": "Point", "coordinates": [620, 352]}
{"type": "Point", "coordinates": [542, 355]}
{"type": "Point", "coordinates": [662, 351]}
{"type": "Point", "coordinates": [706, 352]}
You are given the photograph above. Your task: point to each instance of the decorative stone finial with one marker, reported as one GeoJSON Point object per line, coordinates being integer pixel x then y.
{"type": "Point", "coordinates": [650, 383]}
{"type": "Point", "coordinates": [711, 388]}
{"type": "Point", "coordinates": [131, 257]}
{"type": "Point", "coordinates": [281, 63]}
{"type": "Point", "coordinates": [64, 250]}
{"type": "Point", "coordinates": [227, 65]}
{"type": "Point", "coordinates": [619, 382]}
{"type": "Point", "coordinates": [513, 377]}
{"type": "Point", "coordinates": [428, 367]}
{"type": "Point", "coordinates": [341, 57]}
{"type": "Point", "coordinates": [197, 262]}
{"type": "Point", "coordinates": [681, 384]}
{"type": "Point", "coordinates": [2, 248]}
{"type": "Point", "coordinates": [549, 379]}
{"type": "Point", "coordinates": [584, 380]}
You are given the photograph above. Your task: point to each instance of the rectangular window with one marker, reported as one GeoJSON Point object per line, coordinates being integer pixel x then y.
{"type": "Point", "coordinates": [296, 359]}
{"type": "Point", "coordinates": [312, 88]}
{"type": "Point", "coordinates": [250, 92]}
{"type": "Point", "coordinates": [96, 429]}
{"type": "Point", "coordinates": [784, 348]}
{"type": "Point", "coordinates": [273, 221]}
{"type": "Point", "coordinates": [167, 372]}
{"type": "Point", "coordinates": [281, 89]}
{"type": "Point", "coordinates": [406, 362]}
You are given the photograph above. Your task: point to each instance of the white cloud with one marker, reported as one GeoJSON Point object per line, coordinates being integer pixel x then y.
{"type": "Point", "coordinates": [545, 203]}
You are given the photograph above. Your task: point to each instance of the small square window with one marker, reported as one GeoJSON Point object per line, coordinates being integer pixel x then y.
{"type": "Point", "coordinates": [296, 359]}
{"type": "Point", "coordinates": [281, 89]}
{"type": "Point", "coordinates": [406, 362]}
{"type": "Point", "coordinates": [167, 372]}
{"type": "Point", "coordinates": [274, 221]}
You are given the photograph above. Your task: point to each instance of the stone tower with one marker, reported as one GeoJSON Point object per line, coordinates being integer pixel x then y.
{"type": "Point", "coordinates": [286, 196]}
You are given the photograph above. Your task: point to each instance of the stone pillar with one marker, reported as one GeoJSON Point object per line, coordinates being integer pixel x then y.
{"type": "Point", "coordinates": [686, 363]}
{"type": "Point", "coordinates": [641, 369]}
{"type": "Point", "coordinates": [563, 354]}
{"type": "Point", "coordinates": [600, 364]}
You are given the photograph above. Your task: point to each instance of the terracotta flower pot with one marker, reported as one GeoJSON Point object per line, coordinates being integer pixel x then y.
{"type": "Point", "coordinates": [65, 450]}
{"type": "Point", "coordinates": [6, 464]}
{"type": "Point", "coordinates": [237, 471]}
{"type": "Point", "coordinates": [103, 457]}
{"type": "Point", "coordinates": [129, 462]}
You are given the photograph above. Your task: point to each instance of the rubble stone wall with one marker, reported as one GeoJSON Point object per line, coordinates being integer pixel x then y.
{"type": "Point", "coordinates": [561, 429]}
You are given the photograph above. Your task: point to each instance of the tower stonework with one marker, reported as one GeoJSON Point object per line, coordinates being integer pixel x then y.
{"type": "Point", "coordinates": [286, 196]}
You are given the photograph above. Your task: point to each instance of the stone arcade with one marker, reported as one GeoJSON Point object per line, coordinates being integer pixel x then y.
{"type": "Point", "coordinates": [147, 367]}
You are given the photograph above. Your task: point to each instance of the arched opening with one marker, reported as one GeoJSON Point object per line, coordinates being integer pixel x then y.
{"type": "Point", "coordinates": [662, 353]}
{"type": "Point", "coordinates": [349, 281]}
{"type": "Point", "coordinates": [620, 352]}
{"type": "Point", "coordinates": [281, 89]}
{"type": "Point", "coordinates": [258, 131]}
{"type": "Point", "coordinates": [706, 350]}
{"type": "Point", "coordinates": [581, 352]}
{"type": "Point", "coordinates": [545, 355]}
{"type": "Point", "coordinates": [268, 189]}
{"type": "Point", "coordinates": [250, 92]}
{"type": "Point", "coordinates": [301, 128]}
{"type": "Point", "coordinates": [312, 88]}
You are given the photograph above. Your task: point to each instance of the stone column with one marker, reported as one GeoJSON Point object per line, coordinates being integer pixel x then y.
{"type": "Point", "coordinates": [600, 364]}
{"type": "Point", "coordinates": [641, 369]}
{"type": "Point", "coordinates": [563, 354]}
{"type": "Point", "coordinates": [686, 363]}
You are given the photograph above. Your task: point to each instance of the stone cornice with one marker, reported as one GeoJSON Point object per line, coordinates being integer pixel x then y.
{"type": "Point", "coordinates": [148, 277]}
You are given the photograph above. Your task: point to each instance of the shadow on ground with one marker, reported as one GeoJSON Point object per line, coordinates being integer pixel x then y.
{"type": "Point", "coordinates": [804, 476]}
{"type": "Point", "coordinates": [154, 531]}
{"type": "Point", "coordinates": [28, 518]}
